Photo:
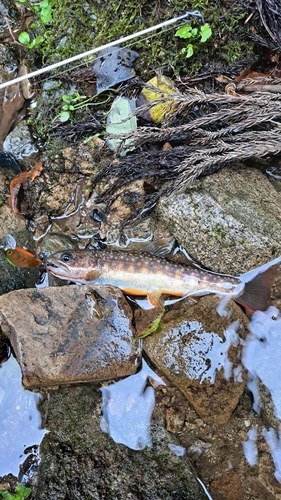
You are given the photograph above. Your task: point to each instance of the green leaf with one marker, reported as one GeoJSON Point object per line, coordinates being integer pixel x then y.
{"type": "Point", "coordinates": [120, 120]}
{"type": "Point", "coordinates": [67, 98]}
{"type": "Point", "coordinates": [21, 1]}
{"type": "Point", "coordinates": [37, 42]}
{"type": "Point", "coordinates": [21, 492]}
{"type": "Point", "coordinates": [46, 12]}
{"type": "Point", "coordinates": [64, 116]}
{"type": "Point", "coordinates": [184, 32]}
{"type": "Point", "coordinates": [205, 32]}
{"type": "Point", "coordinates": [24, 38]}
{"type": "Point", "coordinates": [189, 51]}
{"type": "Point", "coordinates": [6, 495]}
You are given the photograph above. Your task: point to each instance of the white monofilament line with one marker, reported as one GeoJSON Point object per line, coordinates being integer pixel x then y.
{"type": "Point", "coordinates": [102, 47]}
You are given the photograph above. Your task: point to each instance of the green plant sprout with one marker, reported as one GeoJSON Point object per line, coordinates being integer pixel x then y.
{"type": "Point", "coordinates": [21, 492]}
{"type": "Point", "coordinates": [44, 13]}
{"type": "Point", "coordinates": [195, 35]}
{"type": "Point", "coordinates": [75, 101]}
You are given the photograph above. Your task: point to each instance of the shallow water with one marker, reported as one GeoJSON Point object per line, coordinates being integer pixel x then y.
{"type": "Point", "coordinates": [20, 422]}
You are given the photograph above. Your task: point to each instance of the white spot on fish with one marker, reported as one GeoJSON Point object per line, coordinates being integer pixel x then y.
{"type": "Point", "coordinates": [227, 285]}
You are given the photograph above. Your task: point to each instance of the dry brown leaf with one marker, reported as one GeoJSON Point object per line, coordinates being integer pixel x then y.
{"type": "Point", "coordinates": [16, 183]}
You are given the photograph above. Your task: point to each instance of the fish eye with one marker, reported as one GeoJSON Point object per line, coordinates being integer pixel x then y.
{"type": "Point", "coordinates": [66, 257]}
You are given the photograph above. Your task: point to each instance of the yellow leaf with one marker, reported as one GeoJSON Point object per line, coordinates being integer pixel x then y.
{"type": "Point", "coordinates": [162, 87]}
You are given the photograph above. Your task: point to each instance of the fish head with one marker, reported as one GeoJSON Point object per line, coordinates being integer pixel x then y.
{"type": "Point", "coordinates": [77, 266]}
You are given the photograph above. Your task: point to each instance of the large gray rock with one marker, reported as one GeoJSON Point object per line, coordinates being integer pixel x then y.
{"type": "Point", "coordinates": [70, 334]}
{"type": "Point", "coordinates": [230, 222]}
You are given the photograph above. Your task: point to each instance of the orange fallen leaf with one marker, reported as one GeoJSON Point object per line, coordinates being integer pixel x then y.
{"type": "Point", "coordinates": [252, 75]}
{"type": "Point", "coordinates": [16, 183]}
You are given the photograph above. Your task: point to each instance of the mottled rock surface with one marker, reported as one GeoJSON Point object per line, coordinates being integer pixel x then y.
{"type": "Point", "coordinates": [12, 278]}
{"type": "Point", "coordinates": [199, 351]}
{"type": "Point", "coordinates": [217, 450]}
{"type": "Point", "coordinates": [19, 143]}
{"type": "Point", "coordinates": [79, 461]}
{"type": "Point", "coordinates": [230, 222]}
{"type": "Point", "coordinates": [70, 334]}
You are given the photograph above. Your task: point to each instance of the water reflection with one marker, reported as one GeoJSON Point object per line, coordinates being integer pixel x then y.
{"type": "Point", "coordinates": [20, 420]}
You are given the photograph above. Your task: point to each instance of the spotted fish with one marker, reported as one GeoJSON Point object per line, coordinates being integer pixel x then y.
{"type": "Point", "coordinates": [150, 276]}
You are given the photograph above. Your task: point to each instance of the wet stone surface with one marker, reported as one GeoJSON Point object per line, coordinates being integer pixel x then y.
{"type": "Point", "coordinates": [229, 221]}
{"type": "Point", "coordinates": [204, 365]}
{"type": "Point", "coordinates": [12, 278]}
{"type": "Point", "coordinates": [216, 451]}
{"type": "Point", "coordinates": [70, 334]}
{"type": "Point", "coordinates": [19, 143]}
{"type": "Point", "coordinates": [79, 461]}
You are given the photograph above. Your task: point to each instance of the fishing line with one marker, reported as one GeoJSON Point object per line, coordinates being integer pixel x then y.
{"type": "Point", "coordinates": [98, 49]}
{"type": "Point", "coordinates": [85, 63]}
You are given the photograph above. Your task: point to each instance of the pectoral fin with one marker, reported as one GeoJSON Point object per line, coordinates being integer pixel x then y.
{"type": "Point", "coordinates": [154, 297]}
{"type": "Point", "coordinates": [92, 275]}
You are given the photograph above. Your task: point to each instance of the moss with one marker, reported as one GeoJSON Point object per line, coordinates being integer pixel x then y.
{"type": "Point", "coordinates": [90, 24]}
{"type": "Point", "coordinates": [218, 232]}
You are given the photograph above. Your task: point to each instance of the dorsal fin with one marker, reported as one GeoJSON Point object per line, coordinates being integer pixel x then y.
{"type": "Point", "coordinates": [159, 248]}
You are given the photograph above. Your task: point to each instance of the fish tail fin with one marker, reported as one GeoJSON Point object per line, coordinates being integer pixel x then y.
{"type": "Point", "coordinates": [256, 295]}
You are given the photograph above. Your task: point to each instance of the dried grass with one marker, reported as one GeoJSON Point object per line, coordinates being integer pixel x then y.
{"type": "Point", "coordinates": [213, 130]}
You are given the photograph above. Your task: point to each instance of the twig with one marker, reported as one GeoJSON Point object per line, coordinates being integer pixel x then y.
{"type": "Point", "coordinates": [14, 42]}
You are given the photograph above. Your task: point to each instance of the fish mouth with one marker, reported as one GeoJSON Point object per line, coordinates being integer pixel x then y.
{"type": "Point", "coordinates": [49, 263]}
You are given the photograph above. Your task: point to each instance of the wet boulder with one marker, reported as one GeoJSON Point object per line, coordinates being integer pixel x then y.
{"type": "Point", "coordinates": [199, 351]}
{"type": "Point", "coordinates": [20, 143]}
{"type": "Point", "coordinates": [229, 222]}
{"type": "Point", "coordinates": [70, 334]}
{"type": "Point", "coordinates": [80, 461]}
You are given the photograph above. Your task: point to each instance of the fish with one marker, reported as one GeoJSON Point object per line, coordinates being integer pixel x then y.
{"type": "Point", "coordinates": [147, 275]}
{"type": "Point", "coordinates": [19, 257]}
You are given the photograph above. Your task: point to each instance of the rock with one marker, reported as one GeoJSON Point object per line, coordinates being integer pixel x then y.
{"type": "Point", "coordinates": [16, 18]}
{"type": "Point", "coordinates": [13, 100]}
{"type": "Point", "coordinates": [80, 461]}
{"type": "Point", "coordinates": [267, 408]}
{"type": "Point", "coordinates": [199, 351]}
{"type": "Point", "coordinates": [229, 222]}
{"type": "Point", "coordinates": [20, 144]}
{"type": "Point", "coordinates": [227, 487]}
{"type": "Point", "coordinates": [217, 450]}
{"type": "Point", "coordinates": [70, 334]}
{"type": "Point", "coordinates": [174, 420]}
{"type": "Point", "coordinates": [12, 278]}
